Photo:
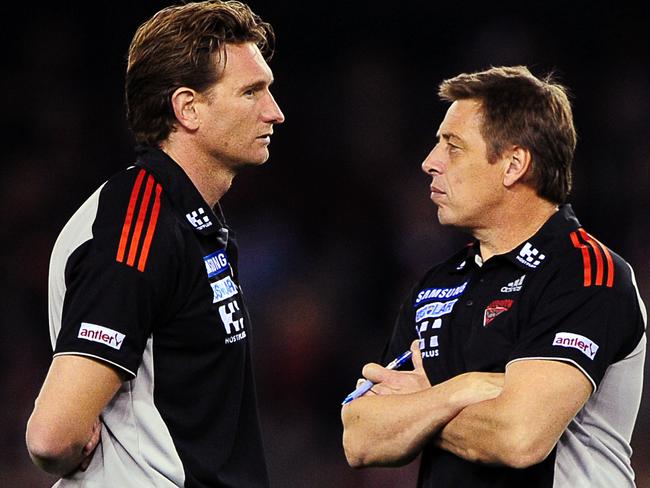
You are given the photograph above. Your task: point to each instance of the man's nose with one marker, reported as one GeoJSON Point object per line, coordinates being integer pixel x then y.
{"type": "Point", "coordinates": [273, 113]}
{"type": "Point", "coordinates": [433, 163]}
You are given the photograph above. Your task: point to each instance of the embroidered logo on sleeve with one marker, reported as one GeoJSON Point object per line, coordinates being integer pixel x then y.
{"type": "Point", "coordinates": [103, 335]}
{"type": "Point", "coordinates": [576, 341]}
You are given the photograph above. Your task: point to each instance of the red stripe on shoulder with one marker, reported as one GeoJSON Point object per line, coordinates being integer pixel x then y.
{"type": "Point", "coordinates": [585, 241]}
{"type": "Point", "coordinates": [586, 260]}
{"type": "Point", "coordinates": [137, 232]}
{"type": "Point", "coordinates": [150, 229]}
{"type": "Point", "coordinates": [130, 210]}
{"type": "Point", "coordinates": [610, 262]}
{"type": "Point", "coordinates": [599, 256]}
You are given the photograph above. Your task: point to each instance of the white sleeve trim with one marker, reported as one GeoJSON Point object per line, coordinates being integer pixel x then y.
{"type": "Point", "coordinates": [564, 360]}
{"type": "Point", "coordinates": [75, 353]}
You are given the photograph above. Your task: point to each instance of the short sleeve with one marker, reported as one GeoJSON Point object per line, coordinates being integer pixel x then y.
{"type": "Point", "coordinates": [590, 327]}
{"type": "Point", "coordinates": [110, 300]}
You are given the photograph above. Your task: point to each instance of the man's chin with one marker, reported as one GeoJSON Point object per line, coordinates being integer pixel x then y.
{"type": "Point", "coordinates": [444, 217]}
{"type": "Point", "coordinates": [252, 162]}
{"type": "Point", "coordinates": [260, 158]}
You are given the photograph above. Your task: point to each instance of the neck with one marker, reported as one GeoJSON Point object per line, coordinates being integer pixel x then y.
{"type": "Point", "coordinates": [514, 225]}
{"type": "Point", "coordinates": [210, 178]}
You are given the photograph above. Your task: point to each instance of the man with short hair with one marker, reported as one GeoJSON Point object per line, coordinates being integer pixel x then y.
{"type": "Point", "coordinates": [151, 382]}
{"type": "Point", "coordinates": [534, 297]}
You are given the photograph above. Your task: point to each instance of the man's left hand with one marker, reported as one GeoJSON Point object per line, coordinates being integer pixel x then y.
{"type": "Point", "coordinates": [391, 382]}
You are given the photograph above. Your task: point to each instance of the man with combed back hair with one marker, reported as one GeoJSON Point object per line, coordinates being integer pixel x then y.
{"type": "Point", "coordinates": [151, 384]}
{"type": "Point", "coordinates": [528, 345]}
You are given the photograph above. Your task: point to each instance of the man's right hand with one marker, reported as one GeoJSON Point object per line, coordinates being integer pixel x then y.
{"type": "Point", "coordinates": [391, 382]}
{"type": "Point", "coordinates": [64, 430]}
{"type": "Point", "coordinates": [89, 449]}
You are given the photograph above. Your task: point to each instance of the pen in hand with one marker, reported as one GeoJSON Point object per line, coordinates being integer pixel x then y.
{"type": "Point", "coordinates": [366, 385]}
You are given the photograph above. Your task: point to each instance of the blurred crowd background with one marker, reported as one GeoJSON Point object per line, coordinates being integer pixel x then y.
{"type": "Point", "coordinates": [338, 225]}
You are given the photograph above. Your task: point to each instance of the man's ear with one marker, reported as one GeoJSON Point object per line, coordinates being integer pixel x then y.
{"type": "Point", "coordinates": [184, 103]}
{"type": "Point", "coordinates": [518, 163]}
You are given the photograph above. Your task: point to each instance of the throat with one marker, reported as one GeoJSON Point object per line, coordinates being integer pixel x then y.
{"type": "Point", "coordinates": [513, 229]}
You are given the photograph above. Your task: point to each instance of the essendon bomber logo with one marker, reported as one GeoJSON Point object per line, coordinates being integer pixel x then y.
{"type": "Point", "coordinates": [494, 309]}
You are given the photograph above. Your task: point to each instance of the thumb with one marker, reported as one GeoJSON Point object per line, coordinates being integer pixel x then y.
{"type": "Point", "coordinates": [374, 372]}
{"type": "Point", "coordinates": [416, 356]}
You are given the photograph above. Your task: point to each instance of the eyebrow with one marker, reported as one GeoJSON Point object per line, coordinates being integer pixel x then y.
{"type": "Point", "coordinates": [257, 85]}
{"type": "Point", "coordinates": [447, 136]}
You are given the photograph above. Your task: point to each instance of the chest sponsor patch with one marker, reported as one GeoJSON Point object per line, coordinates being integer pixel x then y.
{"type": "Point", "coordinates": [103, 335]}
{"type": "Point", "coordinates": [494, 309]}
{"type": "Point", "coordinates": [435, 309]}
{"type": "Point", "coordinates": [233, 322]}
{"type": "Point", "coordinates": [215, 263]}
{"type": "Point", "coordinates": [432, 293]}
{"type": "Point", "coordinates": [576, 341]}
{"type": "Point", "coordinates": [222, 289]}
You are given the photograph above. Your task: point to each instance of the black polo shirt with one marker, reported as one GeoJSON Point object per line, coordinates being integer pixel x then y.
{"type": "Point", "coordinates": [561, 295]}
{"type": "Point", "coordinates": [144, 278]}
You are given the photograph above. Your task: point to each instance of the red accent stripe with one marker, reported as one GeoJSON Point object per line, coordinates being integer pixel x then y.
{"type": "Point", "coordinates": [610, 263]}
{"type": "Point", "coordinates": [585, 257]}
{"type": "Point", "coordinates": [599, 257]}
{"type": "Point", "coordinates": [121, 248]}
{"type": "Point", "coordinates": [150, 230]}
{"type": "Point", "coordinates": [135, 240]}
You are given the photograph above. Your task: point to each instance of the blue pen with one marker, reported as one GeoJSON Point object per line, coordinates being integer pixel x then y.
{"type": "Point", "coordinates": [366, 385]}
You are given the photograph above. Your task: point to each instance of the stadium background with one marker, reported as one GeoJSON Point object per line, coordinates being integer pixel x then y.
{"type": "Point", "coordinates": [336, 227]}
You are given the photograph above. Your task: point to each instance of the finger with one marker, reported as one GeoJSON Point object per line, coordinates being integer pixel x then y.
{"type": "Point", "coordinates": [94, 438]}
{"type": "Point", "coordinates": [374, 372]}
{"type": "Point", "coordinates": [416, 356]}
{"type": "Point", "coordinates": [86, 461]}
{"type": "Point", "coordinates": [91, 446]}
